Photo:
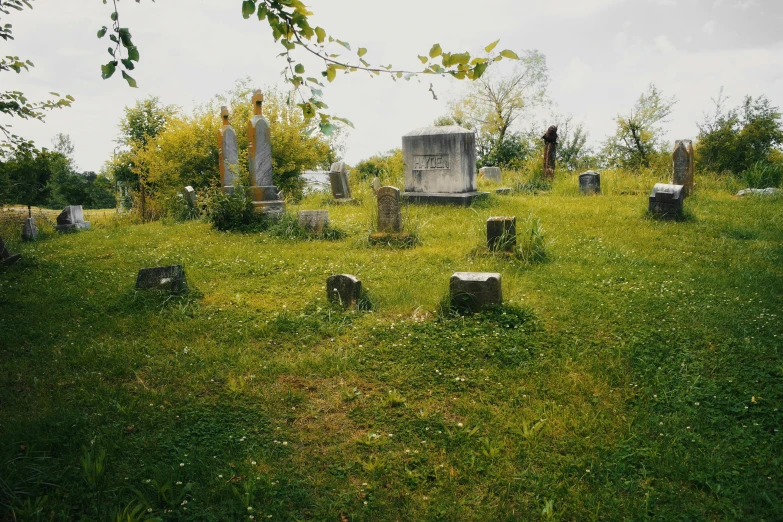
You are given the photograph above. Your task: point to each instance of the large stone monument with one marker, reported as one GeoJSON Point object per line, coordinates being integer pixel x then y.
{"type": "Point", "coordinates": [493, 174]}
{"type": "Point", "coordinates": [338, 179]}
{"type": "Point", "coordinates": [550, 152]}
{"type": "Point", "coordinates": [165, 278]}
{"type": "Point", "coordinates": [475, 291]}
{"type": "Point", "coordinates": [502, 233]}
{"type": "Point", "coordinates": [682, 165]}
{"type": "Point", "coordinates": [6, 258]}
{"type": "Point", "coordinates": [440, 165]}
{"type": "Point", "coordinates": [666, 200]}
{"type": "Point", "coordinates": [259, 154]}
{"type": "Point", "coordinates": [71, 219]}
{"type": "Point", "coordinates": [590, 182]}
{"type": "Point", "coordinates": [228, 153]}
{"type": "Point", "coordinates": [344, 290]}
{"type": "Point", "coordinates": [29, 230]}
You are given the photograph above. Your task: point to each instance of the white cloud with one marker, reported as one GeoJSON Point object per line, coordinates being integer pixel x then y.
{"type": "Point", "coordinates": [663, 44]}
{"type": "Point", "coordinates": [708, 28]}
{"type": "Point", "coordinates": [576, 75]}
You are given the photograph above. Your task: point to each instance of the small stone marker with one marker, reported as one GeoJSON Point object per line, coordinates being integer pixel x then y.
{"type": "Point", "coordinates": [71, 219]}
{"type": "Point", "coordinates": [504, 191]}
{"type": "Point", "coordinates": [190, 196]}
{"type": "Point", "coordinates": [166, 278]}
{"type": "Point", "coordinates": [266, 198]}
{"type": "Point", "coordinates": [769, 191]}
{"type": "Point", "coordinates": [474, 291]}
{"type": "Point", "coordinates": [376, 185]}
{"type": "Point", "coordinates": [313, 220]}
{"type": "Point", "coordinates": [590, 182]}
{"type": "Point", "coordinates": [682, 165]}
{"type": "Point", "coordinates": [389, 215]}
{"type": "Point", "coordinates": [493, 174]}
{"type": "Point", "coordinates": [29, 230]}
{"type": "Point", "coordinates": [344, 289]}
{"type": "Point", "coordinates": [228, 152]}
{"type": "Point", "coordinates": [550, 151]}
{"type": "Point", "coordinates": [338, 177]}
{"type": "Point", "coordinates": [666, 200]}
{"type": "Point", "coordinates": [502, 233]}
{"type": "Point", "coordinates": [6, 258]}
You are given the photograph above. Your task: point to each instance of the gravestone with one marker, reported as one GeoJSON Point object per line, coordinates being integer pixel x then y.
{"type": "Point", "coordinates": [440, 165]}
{"type": "Point", "coordinates": [165, 278]}
{"type": "Point", "coordinates": [502, 233]}
{"type": "Point", "coordinates": [389, 215]}
{"type": "Point", "coordinates": [769, 191]}
{"type": "Point", "coordinates": [550, 151]}
{"type": "Point", "coordinates": [190, 196]}
{"type": "Point", "coordinates": [6, 258]}
{"type": "Point", "coordinates": [264, 194]}
{"type": "Point", "coordinates": [493, 174]}
{"type": "Point", "coordinates": [666, 200]}
{"type": "Point", "coordinates": [338, 178]}
{"type": "Point", "coordinates": [376, 185]}
{"type": "Point", "coordinates": [475, 291]}
{"type": "Point", "coordinates": [313, 220]}
{"type": "Point", "coordinates": [228, 152]}
{"type": "Point", "coordinates": [344, 289]}
{"type": "Point", "coordinates": [590, 182]}
{"type": "Point", "coordinates": [71, 219]}
{"type": "Point", "coordinates": [504, 191]}
{"type": "Point", "coordinates": [29, 230]}
{"type": "Point", "coordinates": [682, 165]}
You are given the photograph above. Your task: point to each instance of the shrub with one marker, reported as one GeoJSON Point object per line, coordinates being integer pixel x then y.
{"type": "Point", "coordinates": [532, 245]}
{"type": "Point", "coordinates": [763, 174]}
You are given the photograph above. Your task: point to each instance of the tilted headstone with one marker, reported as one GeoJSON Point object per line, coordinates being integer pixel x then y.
{"type": "Point", "coordinates": [228, 152]}
{"type": "Point", "coordinates": [6, 258]}
{"type": "Point", "coordinates": [493, 174]}
{"type": "Point", "coordinates": [344, 289]}
{"type": "Point", "coordinates": [666, 200]}
{"type": "Point", "coordinates": [190, 196]}
{"type": "Point", "coordinates": [376, 184]}
{"type": "Point", "coordinates": [71, 219]}
{"type": "Point", "coordinates": [338, 177]}
{"type": "Point", "coordinates": [550, 151]}
{"type": "Point", "coordinates": [590, 182]}
{"type": "Point", "coordinates": [313, 220]}
{"type": "Point", "coordinates": [29, 230]}
{"type": "Point", "coordinates": [440, 165]}
{"type": "Point", "coordinates": [475, 291]}
{"type": "Point", "coordinates": [389, 215]}
{"type": "Point", "coordinates": [165, 278]}
{"type": "Point", "coordinates": [265, 195]}
{"type": "Point", "coordinates": [682, 165]}
{"type": "Point", "coordinates": [502, 233]}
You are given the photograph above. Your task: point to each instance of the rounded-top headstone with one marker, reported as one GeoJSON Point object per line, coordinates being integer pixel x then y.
{"type": "Point", "coordinates": [590, 182]}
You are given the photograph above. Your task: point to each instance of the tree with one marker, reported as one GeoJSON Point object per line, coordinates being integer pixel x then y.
{"type": "Point", "coordinates": [29, 172]}
{"type": "Point", "coordinates": [640, 132]}
{"type": "Point", "coordinates": [572, 150]}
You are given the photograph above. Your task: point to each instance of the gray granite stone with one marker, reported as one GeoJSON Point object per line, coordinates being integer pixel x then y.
{"type": "Point", "coordinates": [769, 191]}
{"type": "Point", "coordinates": [590, 182]}
{"type": "Point", "coordinates": [165, 278]}
{"type": "Point", "coordinates": [344, 289]}
{"type": "Point", "coordinates": [376, 184]}
{"type": "Point", "coordinates": [504, 191]}
{"type": "Point", "coordinates": [389, 215]}
{"type": "Point", "coordinates": [260, 155]}
{"type": "Point", "coordinates": [313, 220]}
{"type": "Point", "coordinates": [682, 165]}
{"type": "Point", "coordinates": [502, 233]}
{"type": "Point", "coordinates": [190, 195]}
{"type": "Point", "coordinates": [666, 200]}
{"type": "Point", "coordinates": [29, 230]}
{"type": "Point", "coordinates": [475, 291]}
{"type": "Point", "coordinates": [338, 177]}
{"type": "Point", "coordinates": [71, 219]}
{"type": "Point", "coordinates": [230, 155]}
{"type": "Point", "coordinates": [493, 174]}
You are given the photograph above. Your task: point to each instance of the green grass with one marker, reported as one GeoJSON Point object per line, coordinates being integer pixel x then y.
{"type": "Point", "coordinates": [633, 375]}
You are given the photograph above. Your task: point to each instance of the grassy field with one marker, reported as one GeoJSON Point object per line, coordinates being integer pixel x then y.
{"type": "Point", "coordinates": [635, 375]}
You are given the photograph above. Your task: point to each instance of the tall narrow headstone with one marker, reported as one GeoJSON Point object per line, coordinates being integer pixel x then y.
{"type": "Point", "coordinates": [502, 233]}
{"type": "Point", "coordinates": [666, 200]}
{"type": "Point", "coordinates": [682, 165]}
{"type": "Point", "coordinates": [6, 258]}
{"type": "Point", "coordinates": [493, 174]}
{"type": "Point", "coordinates": [71, 219]}
{"type": "Point", "coordinates": [29, 230]}
{"type": "Point", "coordinates": [190, 196]}
{"type": "Point", "coordinates": [475, 291]}
{"type": "Point", "coordinates": [590, 182]}
{"type": "Point", "coordinates": [344, 289]}
{"type": "Point", "coordinates": [389, 215]}
{"type": "Point", "coordinates": [550, 151]}
{"type": "Point", "coordinates": [376, 184]}
{"type": "Point", "coordinates": [259, 152]}
{"type": "Point", "coordinates": [338, 177]}
{"type": "Point", "coordinates": [228, 152]}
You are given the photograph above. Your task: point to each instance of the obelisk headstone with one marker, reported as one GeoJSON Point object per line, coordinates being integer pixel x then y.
{"type": "Point", "coordinates": [682, 165]}
{"type": "Point", "coordinates": [389, 215]}
{"type": "Point", "coordinates": [259, 153]}
{"type": "Point", "coordinates": [550, 152]}
{"type": "Point", "coordinates": [228, 152]}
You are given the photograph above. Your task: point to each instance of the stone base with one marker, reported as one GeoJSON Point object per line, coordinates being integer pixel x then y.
{"type": "Point", "coordinates": [73, 227]}
{"type": "Point", "coordinates": [504, 191]}
{"type": "Point", "coordinates": [270, 208]}
{"type": "Point", "coordinates": [344, 201]}
{"type": "Point", "coordinates": [463, 199]}
{"type": "Point", "coordinates": [400, 239]}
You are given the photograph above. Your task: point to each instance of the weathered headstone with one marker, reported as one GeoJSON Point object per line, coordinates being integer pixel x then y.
{"type": "Point", "coordinates": [502, 233]}
{"type": "Point", "coordinates": [71, 219]}
{"type": "Point", "coordinates": [190, 196]}
{"type": "Point", "coordinates": [29, 230]}
{"type": "Point", "coordinates": [389, 215]}
{"type": "Point", "coordinates": [550, 151]}
{"type": "Point", "coordinates": [376, 185]}
{"type": "Point", "coordinates": [6, 258]}
{"type": "Point", "coordinates": [504, 191]}
{"type": "Point", "coordinates": [259, 156]}
{"type": "Point", "coordinates": [590, 182]}
{"type": "Point", "coordinates": [769, 191]}
{"type": "Point", "coordinates": [344, 289]}
{"type": "Point", "coordinates": [493, 174]}
{"type": "Point", "coordinates": [228, 152]}
{"type": "Point", "coordinates": [166, 278]}
{"type": "Point", "coordinates": [475, 291]}
{"type": "Point", "coordinates": [313, 220]}
{"type": "Point", "coordinates": [440, 165]}
{"type": "Point", "coordinates": [682, 165]}
{"type": "Point", "coordinates": [338, 178]}
{"type": "Point", "coordinates": [666, 200]}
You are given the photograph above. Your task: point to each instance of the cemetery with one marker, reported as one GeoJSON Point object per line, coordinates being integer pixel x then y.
{"type": "Point", "coordinates": [259, 329]}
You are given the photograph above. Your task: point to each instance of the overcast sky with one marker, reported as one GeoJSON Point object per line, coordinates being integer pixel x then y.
{"type": "Point", "coordinates": [601, 55]}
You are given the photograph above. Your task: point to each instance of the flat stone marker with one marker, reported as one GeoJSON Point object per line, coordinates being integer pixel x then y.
{"type": "Point", "coordinates": [440, 165]}
{"type": "Point", "coordinates": [666, 200]}
{"type": "Point", "coordinates": [504, 191]}
{"type": "Point", "coordinates": [389, 215]}
{"type": "Point", "coordinates": [590, 182]}
{"type": "Point", "coordinates": [682, 165]}
{"type": "Point", "coordinates": [493, 174]}
{"type": "Point", "coordinates": [475, 291]}
{"type": "Point", "coordinates": [190, 195]}
{"type": "Point", "coordinates": [228, 152]}
{"type": "Point", "coordinates": [344, 289]}
{"type": "Point", "coordinates": [338, 177]}
{"type": "Point", "coordinates": [166, 278]}
{"type": "Point", "coordinates": [29, 230]}
{"type": "Point", "coordinates": [6, 258]}
{"type": "Point", "coordinates": [71, 219]}
{"type": "Point", "coordinates": [502, 233]}
{"type": "Point", "coordinates": [769, 191]}
{"type": "Point", "coordinates": [313, 220]}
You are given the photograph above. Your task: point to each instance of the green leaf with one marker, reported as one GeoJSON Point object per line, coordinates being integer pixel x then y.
{"type": "Point", "coordinates": [114, 16]}
{"type": "Point", "coordinates": [321, 34]}
{"type": "Point", "coordinates": [133, 53]}
{"type": "Point", "coordinates": [331, 73]}
{"type": "Point", "coordinates": [102, 32]}
{"type": "Point", "coordinates": [128, 64]}
{"type": "Point", "coordinates": [361, 52]}
{"type": "Point", "coordinates": [308, 110]}
{"type": "Point", "coordinates": [125, 37]}
{"type": "Point", "coordinates": [262, 11]}
{"type": "Point", "coordinates": [111, 50]}
{"type": "Point", "coordinates": [423, 59]}
{"type": "Point", "coordinates": [491, 46]}
{"type": "Point", "coordinates": [248, 8]}
{"type": "Point", "coordinates": [344, 44]}
{"type": "Point", "coordinates": [460, 59]}
{"type": "Point", "coordinates": [509, 54]}
{"type": "Point", "coordinates": [130, 80]}
{"type": "Point", "coordinates": [327, 128]}
{"type": "Point", "coordinates": [435, 51]}
{"type": "Point", "coordinates": [347, 122]}
{"type": "Point", "coordinates": [108, 69]}
{"type": "Point", "coordinates": [479, 69]}
{"type": "Point", "coordinates": [299, 69]}
{"type": "Point", "coordinates": [316, 92]}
